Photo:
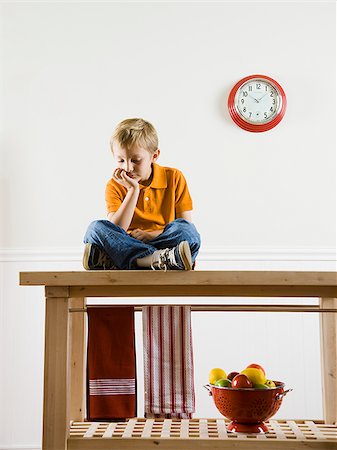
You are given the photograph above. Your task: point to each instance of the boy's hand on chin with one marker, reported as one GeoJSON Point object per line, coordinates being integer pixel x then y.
{"type": "Point", "coordinates": [141, 235]}
{"type": "Point", "coordinates": [121, 176]}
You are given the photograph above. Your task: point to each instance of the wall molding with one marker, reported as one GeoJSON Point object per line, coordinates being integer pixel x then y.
{"type": "Point", "coordinates": [210, 253]}
{"type": "Point", "coordinates": [20, 447]}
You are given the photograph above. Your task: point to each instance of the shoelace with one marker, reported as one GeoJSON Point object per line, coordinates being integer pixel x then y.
{"type": "Point", "coordinates": [165, 257]}
{"type": "Point", "coordinates": [161, 263]}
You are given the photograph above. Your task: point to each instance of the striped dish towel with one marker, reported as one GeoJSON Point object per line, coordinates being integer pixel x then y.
{"type": "Point", "coordinates": [111, 363]}
{"type": "Point", "coordinates": [168, 362]}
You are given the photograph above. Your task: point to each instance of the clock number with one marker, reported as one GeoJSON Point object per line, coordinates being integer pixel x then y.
{"type": "Point", "coordinates": [250, 88]}
{"type": "Point", "coordinates": [274, 101]}
{"type": "Point", "coordinates": [250, 114]}
{"type": "Point", "coordinates": [271, 109]}
{"type": "Point", "coordinates": [244, 109]}
{"type": "Point", "coordinates": [258, 85]}
{"type": "Point", "coordinates": [245, 93]}
{"type": "Point", "coordinates": [242, 100]}
{"type": "Point", "coordinates": [265, 115]}
{"type": "Point", "coordinates": [272, 94]}
{"type": "Point", "coordinates": [266, 88]}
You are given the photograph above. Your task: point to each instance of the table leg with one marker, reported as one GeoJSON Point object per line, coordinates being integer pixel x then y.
{"type": "Point", "coordinates": [78, 352]}
{"type": "Point", "coordinates": [56, 375]}
{"type": "Point", "coordinates": [328, 330]}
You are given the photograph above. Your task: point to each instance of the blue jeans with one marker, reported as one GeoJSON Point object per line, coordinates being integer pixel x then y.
{"type": "Point", "coordinates": [124, 249]}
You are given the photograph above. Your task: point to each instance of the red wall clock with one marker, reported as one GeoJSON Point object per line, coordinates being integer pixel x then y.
{"type": "Point", "coordinates": [257, 103]}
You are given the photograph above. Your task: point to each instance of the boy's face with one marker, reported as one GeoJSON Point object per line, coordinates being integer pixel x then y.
{"type": "Point", "coordinates": [137, 162]}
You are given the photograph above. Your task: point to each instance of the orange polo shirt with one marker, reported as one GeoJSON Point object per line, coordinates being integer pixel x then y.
{"type": "Point", "coordinates": [158, 203]}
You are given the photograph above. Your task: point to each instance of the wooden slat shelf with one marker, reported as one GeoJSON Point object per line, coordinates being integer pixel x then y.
{"type": "Point", "coordinates": [196, 433]}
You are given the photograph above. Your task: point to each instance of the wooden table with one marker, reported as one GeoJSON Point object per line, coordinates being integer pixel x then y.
{"type": "Point", "coordinates": [64, 425]}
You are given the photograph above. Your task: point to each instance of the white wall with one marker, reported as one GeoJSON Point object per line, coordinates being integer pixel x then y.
{"type": "Point", "coordinates": [72, 71]}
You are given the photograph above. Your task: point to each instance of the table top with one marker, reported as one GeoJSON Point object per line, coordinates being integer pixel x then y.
{"type": "Point", "coordinates": [175, 277]}
{"type": "Point", "coordinates": [190, 283]}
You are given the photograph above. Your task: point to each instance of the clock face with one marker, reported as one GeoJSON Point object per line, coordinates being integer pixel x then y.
{"type": "Point", "coordinates": [258, 101]}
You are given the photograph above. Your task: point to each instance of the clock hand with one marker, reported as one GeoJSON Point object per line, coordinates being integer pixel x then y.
{"type": "Point", "coordinates": [262, 96]}
{"type": "Point", "coordinates": [257, 101]}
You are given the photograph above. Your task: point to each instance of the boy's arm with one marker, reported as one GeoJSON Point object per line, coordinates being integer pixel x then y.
{"type": "Point", "coordinates": [123, 216]}
{"type": "Point", "coordinates": [187, 215]}
{"type": "Point", "coordinates": [183, 201]}
{"type": "Point", "coordinates": [145, 236]}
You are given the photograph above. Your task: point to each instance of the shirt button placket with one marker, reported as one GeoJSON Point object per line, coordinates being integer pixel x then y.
{"type": "Point", "coordinates": [147, 201]}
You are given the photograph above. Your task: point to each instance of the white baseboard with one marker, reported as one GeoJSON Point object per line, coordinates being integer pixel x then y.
{"type": "Point", "coordinates": [210, 253]}
{"type": "Point", "coordinates": [20, 447]}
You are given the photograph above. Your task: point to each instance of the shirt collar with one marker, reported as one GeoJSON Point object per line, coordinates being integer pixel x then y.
{"type": "Point", "coordinates": [159, 179]}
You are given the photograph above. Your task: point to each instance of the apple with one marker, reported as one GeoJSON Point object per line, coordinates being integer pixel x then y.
{"type": "Point", "coordinates": [260, 386]}
{"type": "Point", "coordinates": [270, 383]}
{"type": "Point", "coordinates": [241, 381]}
{"type": "Point", "coordinates": [231, 375]}
{"type": "Point", "coordinates": [223, 382]}
{"type": "Point", "coordinates": [256, 366]}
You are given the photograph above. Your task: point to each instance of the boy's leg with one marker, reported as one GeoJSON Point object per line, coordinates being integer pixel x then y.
{"type": "Point", "coordinates": [121, 248]}
{"type": "Point", "coordinates": [177, 231]}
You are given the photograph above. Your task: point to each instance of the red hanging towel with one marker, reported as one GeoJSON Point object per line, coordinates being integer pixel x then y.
{"type": "Point", "coordinates": [168, 362]}
{"type": "Point", "coordinates": [111, 363]}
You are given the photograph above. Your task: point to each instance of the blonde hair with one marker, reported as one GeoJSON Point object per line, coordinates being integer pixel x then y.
{"type": "Point", "coordinates": [136, 131]}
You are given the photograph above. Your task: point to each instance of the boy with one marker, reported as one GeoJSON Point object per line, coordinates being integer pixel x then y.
{"type": "Point", "coordinates": [149, 209]}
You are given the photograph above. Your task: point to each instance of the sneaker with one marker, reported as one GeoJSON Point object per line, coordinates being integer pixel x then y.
{"type": "Point", "coordinates": [96, 259]}
{"type": "Point", "coordinates": [176, 258]}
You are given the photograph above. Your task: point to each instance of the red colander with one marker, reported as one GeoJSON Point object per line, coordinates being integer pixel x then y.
{"type": "Point", "coordinates": [248, 408]}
